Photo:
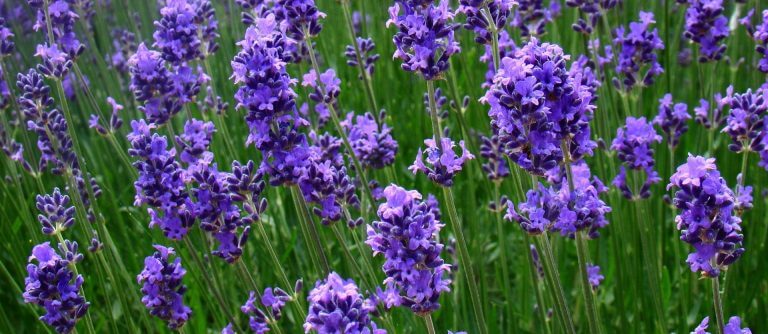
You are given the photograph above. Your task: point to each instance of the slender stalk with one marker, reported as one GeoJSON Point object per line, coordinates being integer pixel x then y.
{"type": "Point", "coordinates": [552, 279]}
{"type": "Point", "coordinates": [534, 276]}
{"type": "Point", "coordinates": [503, 248]}
{"type": "Point", "coordinates": [429, 323]}
{"type": "Point", "coordinates": [88, 321]}
{"type": "Point", "coordinates": [314, 236]}
{"type": "Point", "coordinates": [313, 253]}
{"type": "Point", "coordinates": [360, 63]}
{"type": "Point", "coordinates": [716, 298]}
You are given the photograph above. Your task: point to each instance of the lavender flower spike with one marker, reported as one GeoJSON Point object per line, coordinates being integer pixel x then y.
{"type": "Point", "coordinates": [706, 25]}
{"type": "Point", "coordinates": [336, 306]}
{"type": "Point", "coordinates": [637, 49]}
{"type": "Point", "coordinates": [633, 146]}
{"type": "Point", "coordinates": [56, 215]}
{"type": "Point", "coordinates": [52, 284]}
{"type": "Point", "coordinates": [672, 120]}
{"type": "Point", "coordinates": [442, 163]}
{"type": "Point", "coordinates": [163, 289]}
{"type": "Point", "coordinates": [732, 327]}
{"type": "Point", "coordinates": [478, 21]}
{"type": "Point", "coordinates": [707, 219]}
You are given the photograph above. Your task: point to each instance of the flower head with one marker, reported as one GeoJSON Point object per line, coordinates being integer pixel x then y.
{"type": "Point", "coordinates": [672, 119]}
{"type": "Point", "coordinates": [335, 306]}
{"type": "Point", "coordinates": [706, 26]}
{"type": "Point", "coordinates": [441, 163]}
{"type": "Point", "coordinates": [163, 289]}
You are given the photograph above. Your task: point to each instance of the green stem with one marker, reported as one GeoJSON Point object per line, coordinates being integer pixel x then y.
{"type": "Point", "coordinates": [314, 235]}
{"type": "Point", "coordinates": [552, 279]}
{"type": "Point", "coordinates": [88, 321]}
{"type": "Point", "coordinates": [503, 248]}
{"type": "Point", "coordinates": [429, 323]}
{"type": "Point", "coordinates": [649, 262]}
{"type": "Point", "coordinates": [717, 299]}
{"type": "Point", "coordinates": [361, 63]}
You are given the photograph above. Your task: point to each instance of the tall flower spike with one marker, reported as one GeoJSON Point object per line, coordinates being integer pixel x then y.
{"type": "Point", "coordinates": [57, 58]}
{"type": "Point", "coordinates": [336, 306]}
{"type": "Point", "coordinates": [441, 163]}
{"type": "Point", "coordinates": [633, 146]}
{"type": "Point", "coordinates": [162, 287]}
{"type": "Point", "coordinates": [176, 33]}
{"type": "Point", "coordinates": [52, 284]}
{"type": "Point", "coordinates": [369, 58]}
{"type": "Point", "coordinates": [532, 16]}
{"type": "Point", "coordinates": [479, 12]}
{"type": "Point", "coordinates": [707, 220]}
{"type": "Point", "coordinates": [374, 146]}
{"type": "Point", "coordinates": [407, 235]}
{"type": "Point", "coordinates": [56, 215]}
{"type": "Point", "coordinates": [425, 37]}
{"type": "Point", "coordinates": [672, 120]}
{"type": "Point", "coordinates": [706, 25]}
{"type": "Point", "coordinates": [637, 47]}
{"type": "Point", "coordinates": [745, 122]}
{"type": "Point", "coordinates": [593, 10]}
{"type": "Point", "coordinates": [495, 166]}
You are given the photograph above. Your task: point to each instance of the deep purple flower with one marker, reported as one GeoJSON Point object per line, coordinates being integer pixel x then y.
{"type": "Point", "coordinates": [480, 12]}
{"type": "Point", "coordinates": [441, 163]}
{"type": "Point", "coordinates": [707, 220]}
{"type": "Point", "coordinates": [537, 105]}
{"type": "Point", "coordinates": [633, 146]}
{"type": "Point", "coordinates": [374, 146]}
{"type": "Point", "coordinates": [732, 327]}
{"type": "Point", "coordinates": [58, 57]}
{"type": "Point", "coordinates": [153, 84]}
{"type": "Point", "coordinates": [56, 215]}
{"type": "Point", "coordinates": [335, 306]}
{"type": "Point", "coordinates": [672, 120]}
{"type": "Point", "coordinates": [594, 276]}
{"type": "Point", "coordinates": [745, 123]}
{"type": "Point", "coordinates": [52, 284]}
{"type": "Point", "coordinates": [706, 25]}
{"type": "Point", "coordinates": [367, 56]}
{"type": "Point", "coordinates": [328, 185]}
{"type": "Point", "coordinates": [407, 235]}
{"type": "Point", "coordinates": [636, 49]}
{"type": "Point", "coordinates": [425, 37]}
{"type": "Point", "coordinates": [594, 10]}
{"type": "Point", "coordinates": [163, 289]}
{"type": "Point", "coordinates": [713, 117]}
{"type": "Point", "coordinates": [760, 34]}
{"type": "Point", "coordinates": [495, 166]}
{"type": "Point", "coordinates": [301, 17]}
{"type": "Point", "coordinates": [176, 33]}
{"type": "Point", "coordinates": [532, 16]}
{"type": "Point", "coordinates": [326, 86]}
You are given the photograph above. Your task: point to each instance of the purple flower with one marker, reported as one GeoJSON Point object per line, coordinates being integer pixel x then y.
{"type": "Point", "coordinates": [425, 37]}
{"type": "Point", "coordinates": [7, 46]}
{"type": "Point", "coordinates": [745, 122]}
{"type": "Point", "coordinates": [760, 34]}
{"type": "Point", "coordinates": [507, 48]}
{"type": "Point", "coordinates": [52, 284]}
{"type": "Point", "coordinates": [176, 33]}
{"type": "Point", "coordinates": [637, 47]}
{"type": "Point", "coordinates": [707, 220]}
{"type": "Point", "coordinates": [594, 10]}
{"type": "Point", "coordinates": [368, 58]}
{"type": "Point", "coordinates": [672, 120]}
{"type": "Point", "coordinates": [195, 144]}
{"type": "Point", "coordinates": [495, 165]}
{"type": "Point", "coordinates": [301, 17]}
{"type": "Point", "coordinates": [273, 300]}
{"type": "Point", "coordinates": [373, 145]}
{"type": "Point", "coordinates": [478, 20]}
{"type": "Point", "coordinates": [153, 84]}
{"type": "Point", "coordinates": [57, 58]}
{"type": "Point", "coordinates": [407, 236]}
{"type": "Point", "coordinates": [633, 146]}
{"type": "Point", "coordinates": [732, 327]}
{"type": "Point", "coordinates": [594, 276]}
{"type": "Point", "coordinates": [537, 105]}
{"type": "Point", "coordinates": [325, 182]}
{"type": "Point", "coordinates": [326, 86]}
{"type": "Point", "coordinates": [441, 163]}
{"type": "Point", "coordinates": [56, 215]}
{"type": "Point", "coordinates": [335, 306]}
{"type": "Point", "coordinates": [538, 213]}
{"type": "Point", "coordinates": [706, 25]}
{"type": "Point", "coordinates": [162, 287]}
{"type": "Point", "coordinates": [532, 16]}
{"type": "Point", "coordinates": [713, 117]}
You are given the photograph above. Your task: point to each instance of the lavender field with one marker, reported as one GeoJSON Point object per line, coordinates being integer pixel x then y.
{"type": "Point", "coordinates": [384, 166]}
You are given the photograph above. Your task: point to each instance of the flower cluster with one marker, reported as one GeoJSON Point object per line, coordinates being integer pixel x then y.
{"type": "Point", "coordinates": [441, 163]}
{"type": "Point", "coordinates": [57, 58]}
{"type": "Point", "coordinates": [367, 57]}
{"type": "Point", "coordinates": [637, 49]}
{"type": "Point", "coordinates": [336, 306]}
{"type": "Point", "coordinates": [52, 284]}
{"type": "Point", "coordinates": [633, 147]}
{"type": "Point", "coordinates": [558, 209]}
{"type": "Point", "coordinates": [594, 10]}
{"type": "Point", "coordinates": [594, 276]}
{"type": "Point", "coordinates": [532, 16]}
{"type": "Point", "coordinates": [373, 145]}
{"type": "Point", "coordinates": [537, 107]}
{"type": "Point", "coordinates": [152, 84]}
{"type": "Point", "coordinates": [325, 181]}
{"type": "Point", "coordinates": [326, 86]}
{"type": "Point", "coordinates": [273, 300]}
{"type": "Point", "coordinates": [115, 122]}
{"type": "Point", "coordinates": [707, 219]}
{"type": "Point", "coordinates": [162, 287]}
{"type": "Point", "coordinates": [176, 33]}
{"type": "Point", "coordinates": [495, 166]}
{"type": "Point", "coordinates": [160, 184]}
{"type": "Point", "coordinates": [760, 34]}
{"type": "Point", "coordinates": [407, 236]}
{"type": "Point", "coordinates": [745, 123]}
{"type": "Point", "coordinates": [713, 117]}
{"type": "Point", "coordinates": [56, 215]}
{"type": "Point", "coordinates": [485, 16]}
{"type": "Point", "coordinates": [301, 17]}
{"type": "Point", "coordinates": [265, 93]}
{"type": "Point", "coordinates": [706, 25]}
{"type": "Point", "coordinates": [672, 120]}
{"type": "Point", "coordinates": [732, 327]}
{"type": "Point", "coordinates": [425, 37]}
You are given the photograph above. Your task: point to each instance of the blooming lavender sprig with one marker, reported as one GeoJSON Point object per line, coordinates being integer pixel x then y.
{"type": "Point", "coordinates": [328, 81]}
{"type": "Point", "coordinates": [163, 289]}
{"type": "Point", "coordinates": [160, 184]}
{"type": "Point", "coordinates": [594, 10]}
{"type": "Point", "coordinates": [425, 37]}
{"type": "Point", "coordinates": [732, 327]}
{"type": "Point", "coordinates": [373, 145]}
{"type": "Point", "coordinates": [176, 32]}
{"type": "Point", "coordinates": [713, 117]}
{"type": "Point", "coordinates": [532, 16]}
{"type": "Point", "coordinates": [707, 220]}
{"type": "Point", "coordinates": [745, 123]}
{"type": "Point", "coordinates": [153, 84]}
{"type": "Point", "coordinates": [56, 215]}
{"type": "Point", "coordinates": [115, 122]}
{"type": "Point", "coordinates": [706, 25]}
{"type": "Point", "coordinates": [441, 163]}
{"type": "Point", "coordinates": [495, 166]}
{"type": "Point", "coordinates": [633, 146]}
{"type": "Point", "coordinates": [407, 236]}
{"type": "Point", "coordinates": [759, 33]}
{"type": "Point", "coordinates": [369, 58]}
{"type": "Point", "coordinates": [636, 48]}
{"type": "Point", "coordinates": [58, 57]}
{"type": "Point", "coordinates": [325, 181]}
{"type": "Point", "coordinates": [207, 25]}
{"type": "Point", "coordinates": [301, 17]}
{"type": "Point", "coordinates": [672, 120]}
{"type": "Point", "coordinates": [53, 285]}
{"type": "Point", "coordinates": [273, 300]}
{"type": "Point", "coordinates": [336, 305]}
{"type": "Point", "coordinates": [537, 105]}
{"type": "Point", "coordinates": [595, 278]}
{"type": "Point", "coordinates": [484, 17]}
